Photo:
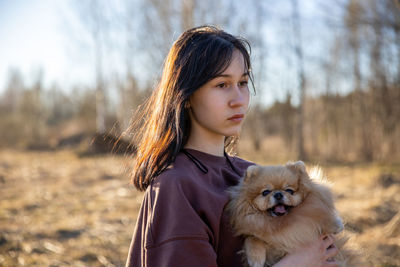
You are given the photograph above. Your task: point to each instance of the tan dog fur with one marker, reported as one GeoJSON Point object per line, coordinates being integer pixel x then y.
{"type": "Point", "coordinates": [269, 237]}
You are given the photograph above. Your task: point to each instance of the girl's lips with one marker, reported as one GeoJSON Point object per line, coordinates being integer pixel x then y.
{"type": "Point", "coordinates": [237, 117]}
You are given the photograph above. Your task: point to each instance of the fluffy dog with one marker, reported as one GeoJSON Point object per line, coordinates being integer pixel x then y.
{"type": "Point", "coordinates": [280, 208]}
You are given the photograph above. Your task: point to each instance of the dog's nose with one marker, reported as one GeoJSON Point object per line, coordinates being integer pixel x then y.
{"type": "Point", "coordinates": [278, 196]}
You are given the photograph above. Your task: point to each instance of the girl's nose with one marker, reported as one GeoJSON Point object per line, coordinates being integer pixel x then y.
{"type": "Point", "coordinates": [240, 97]}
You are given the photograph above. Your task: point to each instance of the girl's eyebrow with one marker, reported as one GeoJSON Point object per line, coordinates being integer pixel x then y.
{"type": "Point", "coordinates": [227, 75]}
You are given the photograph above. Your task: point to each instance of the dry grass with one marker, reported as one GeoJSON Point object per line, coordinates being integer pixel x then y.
{"type": "Point", "coordinates": [58, 209]}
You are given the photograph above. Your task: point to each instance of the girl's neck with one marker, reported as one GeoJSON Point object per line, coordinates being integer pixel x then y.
{"type": "Point", "coordinates": [213, 147]}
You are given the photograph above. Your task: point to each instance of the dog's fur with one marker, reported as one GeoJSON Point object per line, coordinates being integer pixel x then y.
{"type": "Point", "coordinates": [279, 209]}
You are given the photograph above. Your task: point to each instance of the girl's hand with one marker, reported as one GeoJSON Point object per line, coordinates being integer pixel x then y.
{"type": "Point", "coordinates": [316, 254]}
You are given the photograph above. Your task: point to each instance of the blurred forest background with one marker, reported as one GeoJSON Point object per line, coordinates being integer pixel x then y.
{"type": "Point", "coordinates": [327, 81]}
{"type": "Point", "coordinates": [327, 76]}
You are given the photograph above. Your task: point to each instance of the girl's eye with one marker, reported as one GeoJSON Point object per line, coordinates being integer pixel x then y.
{"type": "Point", "coordinates": [222, 85]}
{"type": "Point", "coordinates": [243, 83]}
{"type": "Point", "coordinates": [290, 191]}
{"type": "Point", "coordinates": [266, 192]}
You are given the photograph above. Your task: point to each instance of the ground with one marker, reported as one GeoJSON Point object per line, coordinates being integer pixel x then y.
{"type": "Point", "coordinates": [57, 209]}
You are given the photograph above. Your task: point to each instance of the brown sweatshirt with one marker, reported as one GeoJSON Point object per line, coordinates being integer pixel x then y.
{"type": "Point", "coordinates": [182, 221]}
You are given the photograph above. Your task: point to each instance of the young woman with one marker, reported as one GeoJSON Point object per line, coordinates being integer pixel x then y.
{"type": "Point", "coordinates": [190, 119]}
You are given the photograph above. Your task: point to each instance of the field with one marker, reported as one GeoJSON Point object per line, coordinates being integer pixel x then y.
{"type": "Point", "coordinates": [60, 210]}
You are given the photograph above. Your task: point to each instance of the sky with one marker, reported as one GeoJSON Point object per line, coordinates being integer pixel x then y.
{"type": "Point", "coordinates": [33, 37]}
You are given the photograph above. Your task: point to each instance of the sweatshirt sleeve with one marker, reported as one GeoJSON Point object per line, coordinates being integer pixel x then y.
{"type": "Point", "coordinates": [191, 252]}
{"type": "Point", "coordinates": [173, 227]}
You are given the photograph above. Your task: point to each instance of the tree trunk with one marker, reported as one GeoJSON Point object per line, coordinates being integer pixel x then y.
{"type": "Point", "coordinates": [298, 49]}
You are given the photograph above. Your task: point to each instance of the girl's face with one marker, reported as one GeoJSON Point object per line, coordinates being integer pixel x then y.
{"type": "Point", "coordinates": [219, 106]}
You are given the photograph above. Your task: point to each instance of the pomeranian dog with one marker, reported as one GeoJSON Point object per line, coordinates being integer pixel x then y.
{"type": "Point", "coordinates": [280, 208]}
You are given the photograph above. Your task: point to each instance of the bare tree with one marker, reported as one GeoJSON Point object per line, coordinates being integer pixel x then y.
{"type": "Point", "coordinates": [188, 8]}
{"type": "Point", "coordinates": [298, 50]}
{"type": "Point", "coordinates": [352, 20]}
{"type": "Point", "coordinates": [13, 92]}
{"type": "Point", "coordinates": [93, 18]}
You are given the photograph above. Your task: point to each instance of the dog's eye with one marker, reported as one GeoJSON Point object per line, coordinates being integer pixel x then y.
{"type": "Point", "coordinates": [266, 192]}
{"type": "Point", "coordinates": [290, 191]}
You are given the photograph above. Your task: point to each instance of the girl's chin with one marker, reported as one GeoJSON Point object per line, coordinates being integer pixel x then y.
{"type": "Point", "coordinates": [232, 133]}
{"type": "Point", "coordinates": [227, 131]}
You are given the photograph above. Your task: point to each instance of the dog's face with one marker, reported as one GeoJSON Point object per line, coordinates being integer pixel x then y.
{"type": "Point", "coordinates": [276, 189]}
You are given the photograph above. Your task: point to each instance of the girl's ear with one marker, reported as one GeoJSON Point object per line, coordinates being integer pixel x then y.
{"type": "Point", "coordinates": [187, 104]}
{"type": "Point", "coordinates": [251, 172]}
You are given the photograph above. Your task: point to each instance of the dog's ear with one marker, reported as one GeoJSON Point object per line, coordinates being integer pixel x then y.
{"type": "Point", "coordinates": [297, 167]}
{"type": "Point", "coordinates": [251, 171]}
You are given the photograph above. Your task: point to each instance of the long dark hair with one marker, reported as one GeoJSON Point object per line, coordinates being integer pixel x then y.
{"type": "Point", "coordinates": [161, 127]}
